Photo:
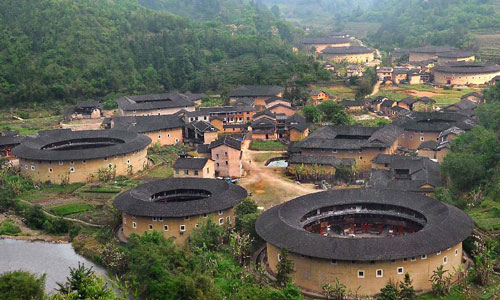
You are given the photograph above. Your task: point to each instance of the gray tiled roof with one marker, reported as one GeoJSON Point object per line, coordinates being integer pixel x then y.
{"type": "Point", "coordinates": [320, 160]}
{"type": "Point", "coordinates": [138, 201]}
{"type": "Point", "coordinates": [192, 163]}
{"type": "Point", "coordinates": [347, 50]}
{"type": "Point", "coordinates": [143, 124]}
{"type": "Point", "coordinates": [112, 142]}
{"type": "Point", "coordinates": [445, 226]}
{"type": "Point", "coordinates": [154, 101]}
{"type": "Point", "coordinates": [433, 121]}
{"type": "Point", "coordinates": [326, 40]}
{"type": "Point", "coordinates": [226, 140]}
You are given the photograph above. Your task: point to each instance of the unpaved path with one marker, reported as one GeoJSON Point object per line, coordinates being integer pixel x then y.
{"type": "Point", "coordinates": [376, 88]}
{"type": "Point", "coordinates": [268, 186]}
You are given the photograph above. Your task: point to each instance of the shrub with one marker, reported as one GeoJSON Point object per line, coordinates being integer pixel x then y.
{"type": "Point", "coordinates": [20, 285]}
{"type": "Point", "coordinates": [9, 228]}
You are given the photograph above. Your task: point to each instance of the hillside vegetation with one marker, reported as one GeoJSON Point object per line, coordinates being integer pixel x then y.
{"type": "Point", "coordinates": [409, 23]}
{"type": "Point", "coordinates": [68, 49]}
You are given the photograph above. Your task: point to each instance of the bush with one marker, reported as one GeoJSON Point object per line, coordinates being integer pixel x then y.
{"type": "Point", "coordinates": [9, 228]}
{"type": "Point", "coordinates": [20, 285]}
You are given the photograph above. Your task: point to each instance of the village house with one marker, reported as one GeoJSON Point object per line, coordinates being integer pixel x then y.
{"type": "Point", "coordinates": [264, 129]}
{"type": "Point", "coordinates": [464, 106]}
{"type": "Point", "coordinates": [474, 97]}
{"type": "Point", "coordinates": [282, 109]}
{"type": "Point", "coordinates": [200, 132]}
{"type": "Point", "coordinates": [455, 56]}
{"type": "Point", "coordinates": [236, 114]}
{"type": "Point", "coordinates": [319, 96]}
{"type": "Point", "coordinates": [84, 110]}
{"type": "Point", "coordinates": [200, 167]}
{"type": "Point", "coordinates": [427, 126]}
{"type": "Point", "coordinates": [386, 107]}
{"type": "Point", "coordinates": [428, 52]}
{"type": "Point", "coordinates": [318, 44]}
{"type": "Point", "coordinates": [352, 54]}
{"type": "Point", "coordinates": [296, 128]}
{"type": "Point", "coordinates": [152, 105]}
{"type": "Point", "coordinates": [260, 93]}
{"type": "Point", "coordinates": [417, 104]}
{"type": "Point", "coordinates": [437, 150]}
{"type": "Point", "coordinates": [277, 100]}
{"type": "Point", "coordinates": [163, 129]}
{"type": "Point", "coordinates": [354, 71]}
{"type": "Point", "coordinates": [226, 153]}
{"type": "Point", "coordinates": [405, 173]}
{"type": "Point", "coordinates": [465, 73]}
{"type": "Point", "coordinates": [354, 105]}
{"type": "Point", "coordinates": [359, 143]}
{"type": "Point", "coordinates": [385, 73]}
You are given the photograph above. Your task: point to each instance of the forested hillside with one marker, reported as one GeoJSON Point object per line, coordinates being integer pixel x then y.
{"type": "Point", "coordinates": [69, 49]}
{"type": "Point", "coordinates": [408, 23]}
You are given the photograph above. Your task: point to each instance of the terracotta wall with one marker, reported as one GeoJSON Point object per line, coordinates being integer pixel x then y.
{"type": "Point", "coordinates": [351, 58]}
{"type": "Point", "coordinates": [311, 273]}
{"type": "Point", "coordinates": [421, 56]}
{"type": "Point", "coordinates": [445, 60]}
{"type": "Point", "coordinates": [443, 78]}
{"type": "Point", "coordinates": [79, 170]}
{"type": "Point", "coordinates": [413, 139]}
{"type": "Point", "coordinates": [227, 161]}
{"type": "Point", "coordinates": [166, 137]}
{"type": "Point", "coordinates": [296, 135]}
{"type": "Point", "coordinates": [321, 47]}
{"type": "Point", "coordinates": [283, 110]}
{"type": "Point", "coordinates": [142, 224]}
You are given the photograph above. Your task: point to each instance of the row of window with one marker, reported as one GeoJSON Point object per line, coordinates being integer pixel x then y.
{"type": "Point", "coordinates": [168, 136]}
{"type": "Point", "coordinates": [183, 228]}
{"type": "Point", "coordinates": [72, 169]}
{"type": "Point", "coordinates": [186, 218]}
{"type": "Point", "coordinates": [195, 172]}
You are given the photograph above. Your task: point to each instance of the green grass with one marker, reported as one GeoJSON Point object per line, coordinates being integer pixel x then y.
{"type": "Point", "coordinates": [443, 97]}
{"type": "Point", "coordinates": [62, 189]}
{"type": "Point", "coordinates": [486, 215]}
{"type": "Point", "coordinates": [29, 126]}
{"type": "Point", "coordinates": [267, 146]}
{"type": "Point", "coordinates": [9, 228]}
{"type": "Point", "coordinates": [339, 91]}
{"type": "Point", "coordinates": [212, 102]}
{"type": "Point", "coordinates": [263, 157]}
{"type": "Point", "coordinates": [70, 208]}
{"type": "Point", "coordinates": [164, 171]}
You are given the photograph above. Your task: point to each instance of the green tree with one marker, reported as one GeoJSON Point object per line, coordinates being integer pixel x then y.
{"type": "Point", "coordinates": [406, 291]}
{"type": "Point", "coordinates": [84, 284]}
{"type": "Point", "coordinates": [388, 292]}
{"type": "Point", "coordinates": [208, 236]}
{"type": "Point", "coordinates": [284, 269]}
{"type": "Point", "coordinates": [20, 285]}
{"type": "Point", "coordinates": [440, 281]}
{"type": "Point", "coordinates": [492, 93]}
{"type": "Point", "coordinates": [338, 291]}
{"type": "Point", "coordinates": [334, 113]}
{"type": "Point", "coordinates": [312, 114]}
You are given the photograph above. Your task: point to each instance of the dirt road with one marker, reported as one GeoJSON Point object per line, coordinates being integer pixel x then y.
{"type": "Point", "coordinates": [269, 186]}
{"type": "Point", "coordinates": [376, 88]}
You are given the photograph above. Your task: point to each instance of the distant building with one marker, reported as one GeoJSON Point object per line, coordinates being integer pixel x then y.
{"type": "Point", "coordinates": [319, 96]}
{"type": "Point", "coordinates": [354, 71]}
{"type": "Point", "coordinates": [260, 93]}
{"type": "Point", "coordinates": [264, 129]}
{"type": "Point", "coordinates": [84, 110]}
{"type": "Point", "coordinates": [385, 73]}
{"type": "Point", "coordinates": [352, 54]}
{"type": "Point", "coordinates": [354, 105]}
{"type": "Point", "coordinates": [8, 140]}
{"type": "Point", "coordinates": [428, 52]}
{"type": "Point", "coordinates": [163, 129]}
{"type": "Point", "coordinates": [318, 44]}
{"type": "Point", "coordinates": [465, 73]}
{"type": "Point", "coordinates": [157, 104]}
{"type": "Point", "coordinates": [455, 56]}
{"type": "Point", "coordinates": [226, 153]}
{"type": "Point", "coordinates": [201, 132]}
{"type": "Point", "coordinates": [200, 167]}
{"type": "Point", "coordinates": [405, 173]}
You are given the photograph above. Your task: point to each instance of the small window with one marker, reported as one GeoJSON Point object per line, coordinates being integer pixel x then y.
{"type": "Point", "coordinates": [228, 219]}
{"type": "Point", "coordinates": [208, 170]}
{"type": "Point", "coordinates": [217, 164]}
{"type": "Point", "coordinates": [220, 212]}
{"type": "Point", "coordinates": [61, 163]}
{"type": "Point", "coordinates": [186, 172]}
{"type": "Point", "coordinates": [379, 273]}
{"type": "Point", "coordinates": [279, 257]}
{"type": "Point", "coordinates": [405, 259]}
{"type": "Point", "coordinates": [72, 162]}
{"type": "Point", "coordinates": [110, 166]}
{"type": "Point", "coordinates": [159, 137]}
{"type": "Point", "coordinates": [160, 219]}
{"type": "Point", "coordinates": [424, 256]}
{"type": "Point", "coordinates": [84, 161]}
{"type": "Point", "coordinates": [154, 219]}
{"type": "Point", "coordinates": [186, 218]}
{"type": "Point", "coordinates": [134, 225]}
{"type": "Point", "coordinates": [105, 159]}
{"type": "Point", "coordinates": [177, 172]}
{"type": "Point", "coordinates": [196, 172]}
{"type": "Point", "coordinates": [361, 274]}
{"type": "Point", "coordinates": [128, 161]}
{"type": "Point", "coordinates": [183, 228]}
{"type": "Point", "coordinates": [165, 227]}
{"type": "Point", "coordinates": [445, 260]}
{"type": "Point", "coordinates": [176, 140]}
{"type": "Point", "coordinates": [456, 252]}
{"type": "Point", "coordinates": [168, 134]}
{"type": "Point", "coordinates": [333, 262]}
{"type": "Point", "coordinates": [32, 168]}
{"type": "Point", "coordinates": [72, 170]}
{"type": "Point", "coordinates": [50, 170]}
{"type": "Point", "coordinates": [221, 221]}
{"type": "Point", "coordinates": [225, 153]}
{"type": "Point", "coordinates": [413, 258]}
{"type": "Point", "coordinates": [205, 215]}
{"type": "Point", "coordinates": [197, 226]}
{"type": "Point", "coordinates": [227, 162]}
{"type": "Point", "coordinates": [421, 138]}
{"type": "Point", "coordinates": [26, 167]}
{"type": "Point", "coordinates": [400, 270]}
{"type": "Point", "coordinates": [217, 155]}
{"type": "Point", "coordinates": [438, 253]}
{"type": "Point", "coordinates": [150, 226]}
{"type": "Point", "coordinates": [361, 158]}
